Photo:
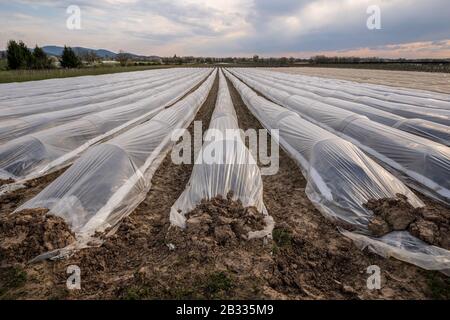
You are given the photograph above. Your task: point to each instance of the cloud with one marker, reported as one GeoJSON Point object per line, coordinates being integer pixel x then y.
{"type": "Point", "coordinates": [233, 27]}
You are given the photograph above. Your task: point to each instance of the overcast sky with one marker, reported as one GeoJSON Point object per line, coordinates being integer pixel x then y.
{"type": "Point", "coordinates": [300, 28]}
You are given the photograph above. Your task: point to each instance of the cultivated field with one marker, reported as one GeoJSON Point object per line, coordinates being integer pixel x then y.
{"type": "Point", "coordinates": [90, 177]}
{"type": "Point", "coordinates": [439, 82]}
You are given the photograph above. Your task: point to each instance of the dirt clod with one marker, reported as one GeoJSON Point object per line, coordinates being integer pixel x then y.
{"type": "Point", "coordinates": [6, 181]}
{"type": "Point", "coordinates": [425, 230]}
{"type": "Point", "coordinates": [11, 200]}
{"type": "Point", "coordinates": [221, 220]}
{"type": "Point", "coordinates": [379, 227]}
{"type": "Point", "coordinates": [29, 233]}
{"type": "Point", "coordinates": [397, 214]}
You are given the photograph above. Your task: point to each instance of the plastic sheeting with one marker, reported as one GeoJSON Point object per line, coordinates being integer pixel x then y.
{"type": "Point", "coordinates": [430, 130]}
{"type": "Point", "coordinates": [84, 97]}
{"type": "Point", "coordinates": [233, 168]}
{"type": "Point", "coordinates": [419, 98]}
{"type": "Point", "coordinates": [356, 94]}
{"type": "Point", "coordinates": [93, 90]}
{"type": "Point", "coordinates": [341, 179]}
{"type": "Point", "coordinates": [422, 163]}
{"type": "Point", "coordinates": [39, 153]}
{"type": "Point", "coordinates": [109, 181]}
{"type": "Point", "coordinates": [14, 128]}
{"type": "Point", "coordinates": [60, 87]}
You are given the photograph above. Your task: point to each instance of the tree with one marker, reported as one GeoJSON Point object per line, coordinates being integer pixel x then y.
{"type": "Point", "coordinates": [90, 56]}
{"type": "Point", "coordinates": [283, 61]}
{"type": "Point", "coordinates": [18, 55]}
{"type": "Point", "coordinates": [40, 59]}
{"type": "Point", "coordinates": [177, 60]}
{"type": "Point", "coordinates": [255, 58]}
{"type": "Point", "coordinates": [69, 59]}
{"type": "Point", "coordinates": [123, 58]}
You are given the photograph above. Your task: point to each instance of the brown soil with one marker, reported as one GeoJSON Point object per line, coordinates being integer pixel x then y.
{"type": "Point", "coordinates": [6, 181]}
{"type": "Point", "coordinates": [14, 199]}
{"type": "Point", "coordinates": [219, 220]}
{"type": "Point", "coordinates": [148, 259]}
{"type": "Point", "coordinates": [26, 234]}
{"type": "Point", "coordinates": [430, 223]}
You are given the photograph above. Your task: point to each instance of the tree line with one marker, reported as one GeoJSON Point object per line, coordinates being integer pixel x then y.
{"type": "Point", "coordinates": [321, 59]}
{"type": "Point", "coordinates": [19, 56]}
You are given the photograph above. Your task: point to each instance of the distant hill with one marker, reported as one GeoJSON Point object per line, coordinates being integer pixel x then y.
{"type": "Point", "coordinates": [57, 51]}
{"type": "Point", "coordinates": [102, 53]}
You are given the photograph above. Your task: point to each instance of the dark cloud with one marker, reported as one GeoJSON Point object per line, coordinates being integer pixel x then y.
{"type": "Point", "coordinates": [259, 27]}
{"type": "Point", "coordinates": [402, 23]}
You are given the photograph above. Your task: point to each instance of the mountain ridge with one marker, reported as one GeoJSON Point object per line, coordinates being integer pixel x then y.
{"type": "Point", "coordinates": [102, 53]}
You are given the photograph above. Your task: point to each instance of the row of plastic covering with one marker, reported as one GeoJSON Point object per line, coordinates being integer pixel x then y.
{"type": "Point", "coordinates": [14, 128]}
{"type": "Point", "coordinates": [333, 88]}
{"type": "Point", "coordinates": [355, 94]}
{"type": "Point", "coordinates": [341, 179]}
{"type": "Point", "coordinates": [422, 163]}
{"type": "Point", "coordinates": [384, 90]}
{"type": "Point", "coordinates": [60, 87]}
{"type": "Point", "coordinates": [434, 131]}
{"type": "Point", "coordinates": [93, 90]}
{"type": "Point", "coordinates": [423, 99]}
{"type": "Point", "coordinates": [83, 97]}
{"type": "Point", "coordinates": [39, 153]}
{"type": "Point", "coordinates": [379, 88]}
{"type": "Point", "coordinates": [432, 101]}
{"type": "Point", "coordinates": [224, 164]}
{"type": "Point", "coordinates": [110, 180]}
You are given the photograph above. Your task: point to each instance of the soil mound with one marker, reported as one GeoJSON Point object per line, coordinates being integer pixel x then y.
{"type": "Point", "coordinates": [6, 181]}
{"type": "Point", "coordinates": [29, 233]}
{"type": "Point", "coordinates": [221, 221]}
{"type": "Point", "coordinates": [429, 224]}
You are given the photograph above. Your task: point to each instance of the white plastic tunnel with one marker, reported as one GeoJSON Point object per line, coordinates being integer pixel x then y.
{"type": "Point", "coordinates": [74, 98]}
{"type": "Point", "coordinates": [355, 94]}
{"type": "Point", "coordinates": [422, 163]}
{"type": "Point", "coordinates": [231, 169]}
{"type": "Point", "coordinates": [341, 179]}
{"type": "Point", "coordinates": [427, 129]}
{"type": "Point", "coordinates": [435, 102]}
{"type": "Point", "coordinates": [17, 127]}
{"type": "Point", "coordinates": [110, 180]}
{"type": "Point", "coordinates": [36, 154]}
{"type": "Point", "coordinates": [34, 90]}
{"type": "Point", "coordinates": [83, 99]}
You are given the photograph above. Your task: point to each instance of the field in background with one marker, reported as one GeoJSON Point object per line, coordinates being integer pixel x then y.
{"type": "Point", "coordinates": [439, 82]}
{"type": "Point", "coordinates": [404, 66]}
